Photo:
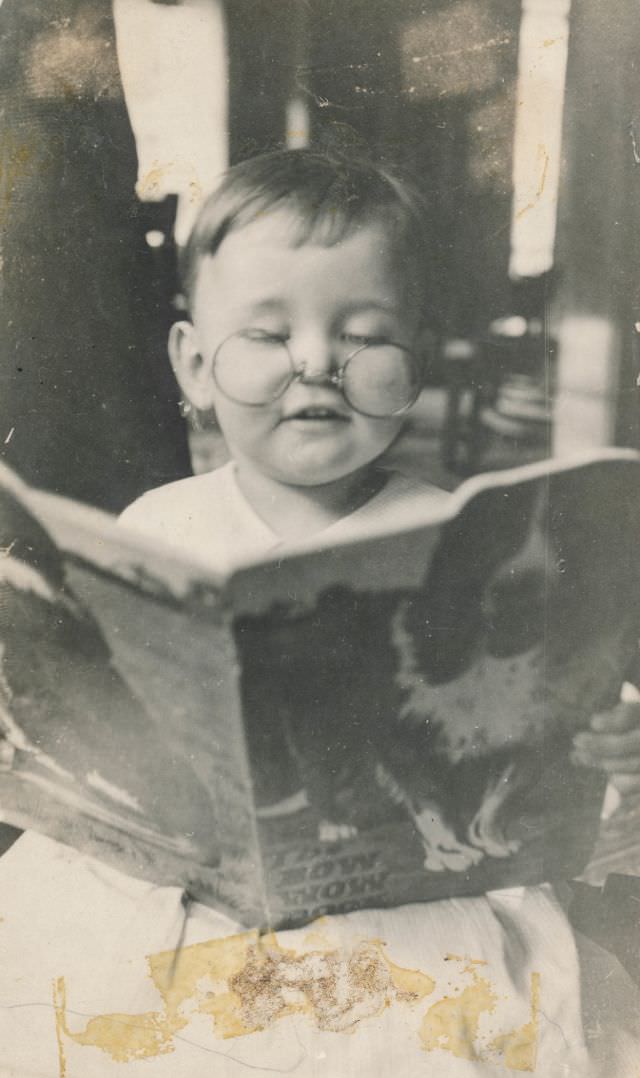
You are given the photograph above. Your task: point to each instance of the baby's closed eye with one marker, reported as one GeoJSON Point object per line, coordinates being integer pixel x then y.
{"type": "Point", "coordinates": [268, 336]}
{"type": "Point", "coordinates": [365, 338]}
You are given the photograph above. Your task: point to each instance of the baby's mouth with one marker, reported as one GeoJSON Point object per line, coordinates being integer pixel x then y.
{"type": "Point", "coordinates": [317, 413]}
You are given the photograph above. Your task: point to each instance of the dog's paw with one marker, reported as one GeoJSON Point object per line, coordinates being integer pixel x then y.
{"type": "Point", "coordinates": [441, 860]}
{"type": "Point", "coordinates": [485, 831]}
{"type": "Point", "coordinates": [443, 850]}
{"type": "Point", "coordinates": [492, 842]}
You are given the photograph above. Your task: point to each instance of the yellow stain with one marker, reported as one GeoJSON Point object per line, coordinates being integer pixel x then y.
{"type": "Point", "coordinates": [543, 157]}
{"type": "Point", "coordinates": [519, 1047]}
{"type": "Point", "coordinates": [453, 1023]}
{"type": "Point", "coordinates": [410, 982]}
{"type": "Point", "coordinates": [178, 976]}
{"type": "Point", "coordinates": [195, 191]}
{"type": "Point", "coordinates": [123, 1036]}
{"type": "Point", "coordinates": [318, 940]}
{"type": "Point", "coordinates": [149, 184]}
{"type": "Point", "coordinates": [246, 983]}
{"type": "Point", "coordinates": [59, 1008]}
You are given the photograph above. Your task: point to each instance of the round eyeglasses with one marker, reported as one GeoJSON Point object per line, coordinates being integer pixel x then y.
{"type": "Point", "coordinates": [377, 379]}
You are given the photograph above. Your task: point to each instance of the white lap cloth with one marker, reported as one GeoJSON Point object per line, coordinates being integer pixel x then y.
{"type": "Point", "coordinates": [482, 986]}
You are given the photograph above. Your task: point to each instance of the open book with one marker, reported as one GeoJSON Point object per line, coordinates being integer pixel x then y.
{"type": "Point", "coordinates": [384, 721]}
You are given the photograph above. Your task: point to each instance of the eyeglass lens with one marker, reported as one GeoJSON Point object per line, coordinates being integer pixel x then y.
{"type": "Point", "coordinates": [252, 370]}
{"type": "Point", "coordinates": [378, 379]}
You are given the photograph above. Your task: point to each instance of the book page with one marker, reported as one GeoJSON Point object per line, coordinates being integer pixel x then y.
{"type": "Point", "coordinates": [120, 708]}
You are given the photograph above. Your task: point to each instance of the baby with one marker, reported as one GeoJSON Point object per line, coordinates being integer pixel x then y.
{"type": "Point", "coordinates": [311, 288]}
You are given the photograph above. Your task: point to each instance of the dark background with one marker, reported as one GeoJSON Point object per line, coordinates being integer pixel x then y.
{"type": "Point", "coordinates": [88, 406]}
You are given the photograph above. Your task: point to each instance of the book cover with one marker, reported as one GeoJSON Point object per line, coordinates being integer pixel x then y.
{"type": "Point", "coordinates": [383, 721]}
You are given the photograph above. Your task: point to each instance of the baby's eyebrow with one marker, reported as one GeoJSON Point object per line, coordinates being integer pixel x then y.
{"type": "Point", "coordinates": [279, 306]}
{"type": "Point", "coordinates": [264, 306]}
{"type": "Point", "coordinates": [360, 305]}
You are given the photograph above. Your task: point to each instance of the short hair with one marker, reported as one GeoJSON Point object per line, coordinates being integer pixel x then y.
{"type": "Point", "coordinates": [329, 196]}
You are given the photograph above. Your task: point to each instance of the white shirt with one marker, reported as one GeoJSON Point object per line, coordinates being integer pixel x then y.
{"type": "Point", "coordinates": [208, 517]}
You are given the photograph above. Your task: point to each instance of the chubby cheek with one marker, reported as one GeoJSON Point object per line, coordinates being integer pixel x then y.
{"type": "Point", "coordinates": [242, 424]}
{"type": "Point", "coordinates": [256, 434]}
{"type": "Point", "coordinates": [379, 434]}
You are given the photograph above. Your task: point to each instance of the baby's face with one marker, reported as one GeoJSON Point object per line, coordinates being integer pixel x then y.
{"type": "Point", "coordinates": [321, 300]}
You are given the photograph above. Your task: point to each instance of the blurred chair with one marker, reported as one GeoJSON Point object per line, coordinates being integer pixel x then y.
{"type": "Point", "coordinates": [499, 392]}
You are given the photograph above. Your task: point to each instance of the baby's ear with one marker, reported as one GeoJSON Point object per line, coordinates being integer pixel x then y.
{"type": "Point", "coordinates": [192, 369]}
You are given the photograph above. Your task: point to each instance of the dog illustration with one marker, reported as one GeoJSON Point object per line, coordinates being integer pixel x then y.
{"type": "Point", "coordinates": [448, 703]}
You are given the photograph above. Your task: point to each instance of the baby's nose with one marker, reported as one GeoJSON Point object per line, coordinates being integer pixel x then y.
{"type": "Point", "coordinates": [315, 357]}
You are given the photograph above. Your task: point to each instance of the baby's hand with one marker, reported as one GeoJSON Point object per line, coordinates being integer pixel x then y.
{"type": "Point", "coordinates": [613, 742]}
